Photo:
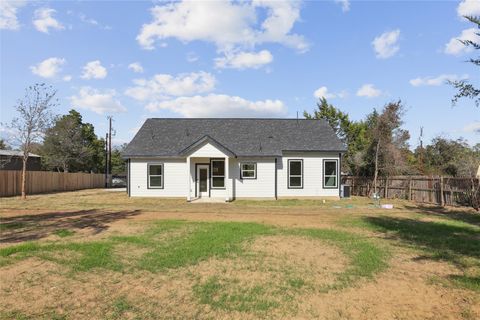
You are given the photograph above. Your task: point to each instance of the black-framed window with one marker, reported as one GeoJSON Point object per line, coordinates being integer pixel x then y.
{"type": "Point", "coordinates": [295, 174]}
{"type": "Point", "coordinates": [218, 173]}
{"type": "Point", "coordinates": [330, 173]}
{"type": "Point", "coordinates": [155, 176]}
{"type": "Point", "coordinates": [248, 170]}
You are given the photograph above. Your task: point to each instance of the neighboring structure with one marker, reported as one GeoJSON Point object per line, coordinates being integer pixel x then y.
{"type": "Point", "coordinates": [234, 158]}
{"type": "Point", "coordinates": [13, 160]}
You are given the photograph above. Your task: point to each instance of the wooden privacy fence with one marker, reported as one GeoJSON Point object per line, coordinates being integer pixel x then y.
{"type": "Point", "coordinates": [426, 189]}
{"type": "Point", "coordinates": [47, 181]}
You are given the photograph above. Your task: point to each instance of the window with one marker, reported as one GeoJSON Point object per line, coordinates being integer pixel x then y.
{"type": "Point", "coordinates": [295, 174]}
{"type": "Point", "coordinates": [155, 176]}
{"type": "Point", "coordinates": [218, 174]}
{"type": "Point", "coordinates": [248, 170]}
{"type": "Point", "coordinates": [330, 175]}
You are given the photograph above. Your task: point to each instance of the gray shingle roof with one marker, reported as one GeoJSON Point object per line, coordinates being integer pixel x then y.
{"type": "Point", "coordinates": [243, 137]}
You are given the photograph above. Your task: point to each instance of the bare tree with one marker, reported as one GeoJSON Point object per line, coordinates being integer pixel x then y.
{"type": "Point", "coordinates": [389, 141]}
{"type": "Point", "coordinates": [33, 119]}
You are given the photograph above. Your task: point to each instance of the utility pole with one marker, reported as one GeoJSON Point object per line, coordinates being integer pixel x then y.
{"type": "Point", "coordinates": [106, 160]}
{"type": "Point", "coordinates": [110, 145]}
{"type": "Point", "coordinates": [421, 153]}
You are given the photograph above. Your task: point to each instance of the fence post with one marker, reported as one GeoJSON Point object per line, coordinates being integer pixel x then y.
{"type": "Point", "coordinates": [442, 199]}
{"type": "Point", "coordinates": [386, 188]}
{"type": "Point", "coordinates": [410, 189]}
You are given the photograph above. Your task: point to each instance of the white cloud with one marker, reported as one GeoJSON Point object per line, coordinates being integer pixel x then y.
{"type": "Point", "coordinates": [345, 4]}
{"type": "Point", "coordinates": [93, 22]}
{"type": "Point", "coordinates": [94, 70]}
{"type": "Point", "coordinates": [322, 92]}
{"type": "Point", "coordinates": [219, 105]}
{"type": "Point", "coordinates": [385, 45]}
{"type": "Point", "coordinates": [456, 47]}
{"type": "Point", "coordinates": [88, 20]}
{"type": "Point", "coordinates": [43, 20]}
{"type": "Point", "coordinates": [48, 68]}
{"type": "Point", "coordinates": [468, 8]}
{"type": "Point", "coordinates": [8, 14]}
{"type": "Point", "coordinates": [472, 127]}
{"type": "Point", "coordinates": [226, 24]}
{"type": "Point", "coordinates": [368, 90]}
{"type": "Point", "coordinates": [244, 60]}
{"type": "Point", "coordinates": [192, 57]}
{"type": "Point", "coordinates": [100, 102]}
{"type": "Point", "coordinates": [67, 78]}
{"type": "Point", "coordinates": [162, 86]}
{"type": "Point", "coordinates": [436, 81]}
{"type": "Point", "coordinates": [136, 67]}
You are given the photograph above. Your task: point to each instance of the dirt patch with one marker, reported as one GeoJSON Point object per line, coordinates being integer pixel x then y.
{"type": "Point", "coordinates": [313, 259]}
{"type": "Point", "coordinates": [404, 292]}
{"type": "Point", "coordinates": [36, 287]}
{"type": "Point", "coordinates": [268, 280]}
{"type": "Point", "coordinates": [285, 273]}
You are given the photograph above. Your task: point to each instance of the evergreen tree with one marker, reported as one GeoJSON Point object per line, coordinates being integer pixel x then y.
{"type": "Point", "coordinates": [71, 145]}
{"type": "Point", "coordinates": [352, 133]}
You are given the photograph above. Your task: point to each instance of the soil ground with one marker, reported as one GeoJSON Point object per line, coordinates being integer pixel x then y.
{"type": "Point", "coordinates": [99, 255]}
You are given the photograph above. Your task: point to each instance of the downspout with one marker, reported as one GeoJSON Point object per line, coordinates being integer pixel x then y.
{"type": "Point", "coordinates": [340, 175]}
{"type": "Point", "coordinates": [276, 196]}
{"type": "Point", "coordinates": [128, 178]}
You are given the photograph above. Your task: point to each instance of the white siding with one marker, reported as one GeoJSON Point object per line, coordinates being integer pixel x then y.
{"type": "Point", "coordinates": [174, 183]}
{"type": "Point", "coordinates": [312, 175]}
{"type": "Point", "coordinates": [176, 176]}
{"type": "Point", "coordinates": [261, 187]}
{"type": "Point", "coordinates": [208, 150]}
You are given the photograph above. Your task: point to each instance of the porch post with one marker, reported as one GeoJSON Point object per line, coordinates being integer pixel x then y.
{"type": "Point", "coordinates": [227, 180]}
{"type": "Point", "coordinates": [189, 182]}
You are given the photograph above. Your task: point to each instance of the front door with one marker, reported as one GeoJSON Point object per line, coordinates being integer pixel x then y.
{"type": "Point", "coordinates": [202, 181]}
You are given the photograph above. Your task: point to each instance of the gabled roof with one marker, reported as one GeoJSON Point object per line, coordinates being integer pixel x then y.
{"type": "Point", "coordinates": [201, 141]}
{"type": "Point", "coordinates": [242, 137]}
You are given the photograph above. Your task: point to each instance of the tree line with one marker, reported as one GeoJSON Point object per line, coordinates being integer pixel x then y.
{"type": "Point", "coordinates": [65, 142]}
{"type": "Point", "coordinates": [378, 145]}
{"type": "Point", "coordinates": [70, 145]}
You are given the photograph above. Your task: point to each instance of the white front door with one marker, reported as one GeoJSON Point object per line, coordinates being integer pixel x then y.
{"type": "Point", "coordinates": [202, 180]}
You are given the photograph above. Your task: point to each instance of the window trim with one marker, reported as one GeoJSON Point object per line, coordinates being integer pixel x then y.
{"type": "Point", "coordinates": [324, 175]}
{"type": "Point", "coordinates": [212, 160]}
{"type": "Point", "coordinates": [155, 175]}
{"type": "Point", "coordinates": [254, 170]}
{"type": "Point", "coordinates": [289, 176]}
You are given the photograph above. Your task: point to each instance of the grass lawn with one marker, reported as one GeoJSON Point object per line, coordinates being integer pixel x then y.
{"type": "Point", "coordinates": [100, 255]}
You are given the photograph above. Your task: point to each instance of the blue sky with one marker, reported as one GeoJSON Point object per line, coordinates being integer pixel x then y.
{"type": "Point", "coordinates": [135, 60]}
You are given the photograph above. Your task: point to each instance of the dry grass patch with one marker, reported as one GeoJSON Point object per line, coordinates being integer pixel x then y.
{"type": "Point", "coordinates": [218, 269]}
{"type": "Point", "coordinates": [166, 259]}
{"type": "Point", "coordinates": [271, 279]}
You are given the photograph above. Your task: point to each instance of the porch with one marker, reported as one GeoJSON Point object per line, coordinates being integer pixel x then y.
{"type": "Point", "coordinates": [209, 178]}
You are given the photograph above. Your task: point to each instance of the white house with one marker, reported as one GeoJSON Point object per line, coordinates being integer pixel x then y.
{"type": "Point", "coordinates": [234, 158]}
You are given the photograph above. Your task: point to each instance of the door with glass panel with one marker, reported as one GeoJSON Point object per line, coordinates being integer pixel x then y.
{"type": "Point", "coordinates": [202, 180]}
